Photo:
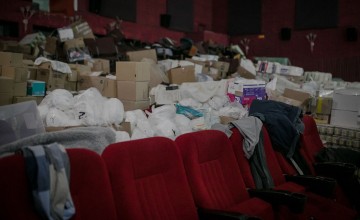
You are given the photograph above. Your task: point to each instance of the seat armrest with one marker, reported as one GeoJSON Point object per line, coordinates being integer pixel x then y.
{"type": "Point", "coordinates": [212, 214]}
{"type": "Point", "coordinates": [335, 169]}
{"type": "Point", "coordinates": [324, 186]}
{"type": "Point", "coordinates": [294, 201]}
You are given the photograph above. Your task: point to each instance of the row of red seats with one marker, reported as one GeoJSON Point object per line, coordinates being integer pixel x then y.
{"type": "Point", "coordinates": [200, 175]}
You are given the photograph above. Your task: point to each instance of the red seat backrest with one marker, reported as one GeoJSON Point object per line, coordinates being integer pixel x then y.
{"type": "Point", "coordinates": [310, 139]}
{"type": "Point", "coordinates": [148, 180]}
{"type": "Point", "coordinates": [213, 174]}
{"type": "Point", "coordinates": [89, 185]}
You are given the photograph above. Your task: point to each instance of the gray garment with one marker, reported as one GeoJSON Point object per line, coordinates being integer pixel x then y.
{"type": "Point", "coordinates": [250, 128]}
{"type": "Point", "coordinates": [92, 138]}
{"type": "Point", "coordinates": [223, 128]}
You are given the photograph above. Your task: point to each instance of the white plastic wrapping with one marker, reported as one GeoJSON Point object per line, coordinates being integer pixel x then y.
{"type": "Point", "coordinates": [89, 108]}
{"type": "Point", "coordinates": [58, 118]}
{"type": "Point", "coordinates": [190, 102]}
{"type": "Point", "coordinates": [162, 120]}
{"type": "Point", "coordinates": [113, 111]}
{"type": "Point", "coordinates": [183, 123]}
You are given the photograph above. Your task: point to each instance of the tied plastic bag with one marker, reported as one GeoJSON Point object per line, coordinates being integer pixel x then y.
{"type": "Point", "coordinates": [183, 124]}
{"type": "Point", "coordinates": [58, 118]}
{"type": "Point", "coordinates": [218, 102]}
{"type": "Point", "coordinates": [89, 108]}
{"type": "Point", "coordinates": [161, 119]}
{"type": "Point", "coordinates": [59, 98]}
{"type": "Point", "coordinates": [113, 111]}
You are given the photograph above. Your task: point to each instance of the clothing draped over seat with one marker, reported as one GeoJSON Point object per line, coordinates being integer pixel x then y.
{"type": "Point", "coordinates": [48, 172]}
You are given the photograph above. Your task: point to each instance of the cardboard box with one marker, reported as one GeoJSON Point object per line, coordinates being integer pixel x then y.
{"type": "Point", "coordinates": [6, 85]}
{"type": "Point", "coordinates": [35, 88]}
{"type": "Point", "coordinates": [17, 99]}
{"type": "Point", "coordinates": [74, 43]}
{"type": "Point", "coordinates": [32, 72]}
{"type": "Point", "coordinates": [132, 71]}
{"type": "Point", "coordinates": [345, 118]}
{"type": "Point", "coordinates": [245, 73]}
{"type": "Point", "coordinates": [139, 55]}
{"type": "Point", "coordinates": [302, 97]}
{"type": "Point", "coordinates": [6, 98]}
{"type": "Point", "coordinates": [322, 118]}
{"type": "Point", "coordinates": [70, 86]}
{"type": "Point", "coordinates": [182, 74]}
{"type": "Point", "coordinates": [73, 76]}
{"type": "Point", "coordinates": [81, 69]}
{"type": "Point", "coordinates": [223, 68]}
{"type": "Point", "coordinates": [82, 29]}
{"type": "Point", "coordinates": [323, 105]}
{"type": "Point", "coordinates": [99, 65]}
{"type": "Point", "coordinates": [133, 105]}
{"type": "Point", "coordinates": [51, 45]}
{"type": "Point", "coordinates": [107, 87]}
{"type": "Point", "coordinates": [346, 99]}
{"type": "Point", "coordinates": [133, 91]}
{"type": "Point", "coordinates": [53, 79]}
{"type": "Point", "coordinates": [19, 74]}
{"type": "Point", "coordinates": [20, 89]}
{"type": "Point", "coordinates": [11, 59]}
{"type": "Point", "coordinates": [10, 46]}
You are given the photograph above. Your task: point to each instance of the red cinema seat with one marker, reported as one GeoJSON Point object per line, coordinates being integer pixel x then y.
{"type": "Point", "coordinates": [338, 163]}
{"type": "Point", "coordinates": [214, 176]}
{"type": "Point", "coordinates": [317, 207]}
{"type": "Point", "coordinates": [89, 185]}
{"type": "Point", "coordinates": [148, 180]}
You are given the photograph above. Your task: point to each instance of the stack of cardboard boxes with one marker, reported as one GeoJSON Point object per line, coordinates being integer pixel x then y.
{"type": "Point", "coordinates": [133, 84]}
{"type": "Point", "coordinates": [16, 77]}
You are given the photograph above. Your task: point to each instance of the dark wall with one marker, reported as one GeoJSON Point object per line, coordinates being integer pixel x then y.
{"type": "Point", "coordinates": [332, 52]}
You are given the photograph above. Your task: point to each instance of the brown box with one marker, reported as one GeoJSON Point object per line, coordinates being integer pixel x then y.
{"type": "Point", "coordinates": [132, 71]}
{"type": "Point", "coordinates": [20, 89]}
{"type": "Point", "coordinates": [81, 69]}
{"type": "Point", "coordinates": [19, 74]}
{"type": "Point", "coordinates": [244, 73]}
{"type": "Point", "coordinates": [74, 43]}
{"type": "Point", "coordinates": [182, 74]}
{"type": "Point", "coordinates": [133, 105]}
{"type": "Point", "coordinates": [11, 59]}
{"type": "Point", "coordinates": [6, 85]}
{"type": "Point", "coordinates": [107, 87]}
{"type": "Point", "coordinates": [98, 65]}
{"type": "Point", "coordinates": [53, 79]}
{"type": "Point", "coordinates": [17, 99]}
{"type": "Point", "coordinates": [133, 91]}
{"type": "Point", "coordinates": [51, 45]}
{"type": "Point", "coordinates": [223, 68]}
{"type": "Point", "coordinates": [82, 29]}
{"type": "Point", "coordinates": [6, 98]}
{"type": "Point", "coordinates": [302, 97]}
{"type": "Point", "coordinates": [139, 55]}
{"type": "Point", "coordinates": [324, 105]}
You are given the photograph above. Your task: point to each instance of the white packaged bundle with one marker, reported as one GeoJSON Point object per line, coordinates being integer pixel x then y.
{"type": "Point", "coordinates": [89, 108]}
{"type": "Point", "coordinates": [58, 118]}
{"type": "Point", "coordinates": [113, 111]}
{"type": "Point", "coordinates": [59, 98]}
{"type": "Point", "coordinates": [183, 123]}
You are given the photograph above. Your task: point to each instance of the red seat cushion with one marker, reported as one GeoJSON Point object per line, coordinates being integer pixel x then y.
{"type": "Point", "coordinates": [214, 175]}
{"type": "Point", "coordinates": [89, 186]}
{"type": "Point", "coordinates": [148, 180]}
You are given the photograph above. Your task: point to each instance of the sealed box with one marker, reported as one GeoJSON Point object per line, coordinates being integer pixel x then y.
{"type": "Point", "coordinates": [141, 54]}
{"type": "Point", "coordinates": [11, 59]}
{"type": "Point", "coordinates": [132, 71]}
{"type": "Point", "coordinates": [182, 74]}
{"type": "Point", "coordinates": [20, 89]}
{"type": "Point", "coordinates": [36, 88]}
{"type": "Point", "coordinates": [132, 91]}
{"type": "Point", "coordinates": [133, 105]}
{"type": "Point", "coordinates": [19, 74]}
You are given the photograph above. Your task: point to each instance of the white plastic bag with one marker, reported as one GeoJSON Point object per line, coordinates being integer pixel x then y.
{"type": "Point", "coordinates": [113, 111]}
